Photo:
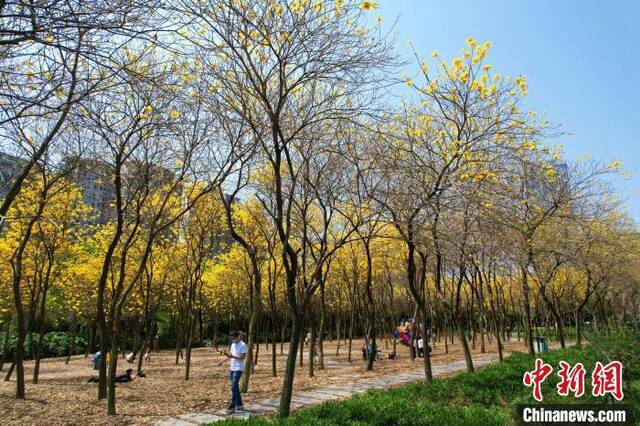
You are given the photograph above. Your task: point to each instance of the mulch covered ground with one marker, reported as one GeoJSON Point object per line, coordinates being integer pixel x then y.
{"type": "Point", "coordinates": [63, 396]}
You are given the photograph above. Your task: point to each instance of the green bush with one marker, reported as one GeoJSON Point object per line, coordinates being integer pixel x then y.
{"type": "Point", "coordinates": [55, 344]}
{"type": "Point", "coordinates": [486, 397]}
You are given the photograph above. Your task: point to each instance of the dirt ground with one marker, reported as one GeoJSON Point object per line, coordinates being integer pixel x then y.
{"type": "Point", "coordinates": [63, 396]}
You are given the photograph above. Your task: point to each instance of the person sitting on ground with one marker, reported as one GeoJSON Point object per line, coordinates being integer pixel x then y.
{"type": "Point", "coordinates": [126, 377]}
{"type": "Point", "coordinates": [95, 360]}
{"type": "Point", "coordinates": [123, 378]}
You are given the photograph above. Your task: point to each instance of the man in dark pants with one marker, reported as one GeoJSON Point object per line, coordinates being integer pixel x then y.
{"type": "Point", "coordinates": [236, 354]}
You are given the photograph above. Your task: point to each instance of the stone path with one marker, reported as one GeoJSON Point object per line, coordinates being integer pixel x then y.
{"type": "Point", "coordinates": [320, 395]}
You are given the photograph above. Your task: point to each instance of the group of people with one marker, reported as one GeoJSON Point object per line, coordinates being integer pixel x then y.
{"type": "Point", "coordinates": [365, 351]}
{"type": "Point", "coordinates": [96, 358]}
{"type": "Point", "coordinates": [236, 355]}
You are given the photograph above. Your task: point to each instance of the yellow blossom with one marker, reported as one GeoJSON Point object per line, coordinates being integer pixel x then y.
{"type": "Point", "coordinates": [368, 5]}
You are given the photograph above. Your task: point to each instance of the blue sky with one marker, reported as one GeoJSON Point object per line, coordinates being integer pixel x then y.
{"type": "Point", "coordinates": [581, 60]}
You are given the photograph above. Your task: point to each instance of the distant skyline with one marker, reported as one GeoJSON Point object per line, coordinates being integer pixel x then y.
{"type": "Point", "coordinates": [580, 58]}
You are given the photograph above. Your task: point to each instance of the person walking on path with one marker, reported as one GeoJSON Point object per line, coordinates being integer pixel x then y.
{"type": "Point", "coordinates": [236, 354]}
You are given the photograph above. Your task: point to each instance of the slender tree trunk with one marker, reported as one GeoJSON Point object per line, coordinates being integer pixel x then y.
{"type": "Point", "coordinates": [321, 327]}
{"type": "Point", "coordinates": [215, 332]}
{"type": "Point", "coordinates": [371, 311]}
{"type": "Point", "coordinates": [527, 310]}
{"type": "Point", "coordinates": [312, 346]}
{"type": "Point", "coordinates": [465, 346]}
{"type": "Point", "coordinates": [187, 354]}
{"type": "Point", "coordinates": [284, 328]}
{"type": "Point", "coordinates": [7, 376]}
{"type": "Point", "coordinates": [498, 339]}
{"type": "Point", "coordinates": [301, 339]}
{"type": "Point", "coordinates": [91, 331]}
{"type": "Point", "coordinates": [113, 364]}
{"type": "Point", "coordinates": [446, 337]}
{"type": "Point", "coordinates": [5, 348]}
{"type": "Point", "coordinates": [338, 336]}
{"type": "Point", "coordinates": [428, 373]}
{"type": "Point", "coordinates": [40, 345]}
{"type": "Point", "coordinates": [248, 360]}
{"type": "Point", "coordinates": [290, 368]}
{"type": "Point", "coordinates": [180, 333]}
{"type": "Point", "coordinates": [350, 345]}
{"type": "Point", "coordinates": [274, 370]}
{"type": "Point", "coordinates": [19, 365]}
{"type": "Point", "coordinates": [21, 329]}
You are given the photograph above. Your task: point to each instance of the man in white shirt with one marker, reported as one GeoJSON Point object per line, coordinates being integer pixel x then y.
{"type": "Point", "coordinates": [237, 352]}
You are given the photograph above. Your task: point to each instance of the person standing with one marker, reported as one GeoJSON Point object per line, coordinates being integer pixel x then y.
{"type": "Point", "coordinates": [236, 355]}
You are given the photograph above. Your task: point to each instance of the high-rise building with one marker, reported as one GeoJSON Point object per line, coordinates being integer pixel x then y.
{"type": "Point", "coordinates": [90, 177]}
{"type": "Point", "coordinates": [10, 166]}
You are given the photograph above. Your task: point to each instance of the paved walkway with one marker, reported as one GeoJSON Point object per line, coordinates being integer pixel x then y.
{"type": "Point", "coordinates": [320, 395]}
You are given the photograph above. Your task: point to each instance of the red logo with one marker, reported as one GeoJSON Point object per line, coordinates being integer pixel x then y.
{"type": "Point", "coordinates": [536, 377]}
{"type": "Point", "coordinates": [607, 379]}
{"type": "Point", "coordinates": [571, 379]}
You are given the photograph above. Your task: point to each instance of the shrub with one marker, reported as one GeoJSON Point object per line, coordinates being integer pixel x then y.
{"type": "Point", "coordinates": [55, 344]}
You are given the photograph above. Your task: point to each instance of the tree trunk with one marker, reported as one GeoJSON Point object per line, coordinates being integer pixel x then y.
{"type": "Point", "coordinates": [350, 345]}
{"type": "Point", "coordinates": [113, 364]}
{"type": "Point", "coordinates": [72, 343]}
{"type": "Point", "coordinates": [371, 311]}
{"type": "Point", "coordinates": [5, 348]}
{"type": "Point", "coordinates": [187, 354]}
{"type": "Point", "coordinates": [290, 368]}
{"type": "Point", "coordinates": [40, 346]}
{"type": "Point", "coordinates": [91, 331]}
{"type": "Point", "coordinates": [338, 336]}
{"type": "Point", "coordinates": [179, 343]}
{"type": "Point", "coordinates": [301, 341]}
{"type": "Point", "coordinates": [284, 328]}
{"type": "Point", "coordinates": [527, 311]}
{"type": "Point", "coordinates": [578, 328]}
{"type": "Point", "coordinates": [446, 337]}
{"type": "Point", "coordinates": [311, 346]}
{"type": "Point", "coordinates": [7, 376]}
{"type": "Point", "coordinates": [428, 373]}
{"type": "Point", "coordinates": [19, 363]}
{"type": "Point", "coordinates": [321, 327]}
{"type": "Point", "coordinates": [248, 360]}
{"type": "Point", "coordinates": [465, 346]}
{"type": "Point", "coordinates": [274, 370]}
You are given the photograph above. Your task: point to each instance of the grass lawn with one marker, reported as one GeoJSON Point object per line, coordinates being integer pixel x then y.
{"type": "Point", "coordinates": [488, 397]}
